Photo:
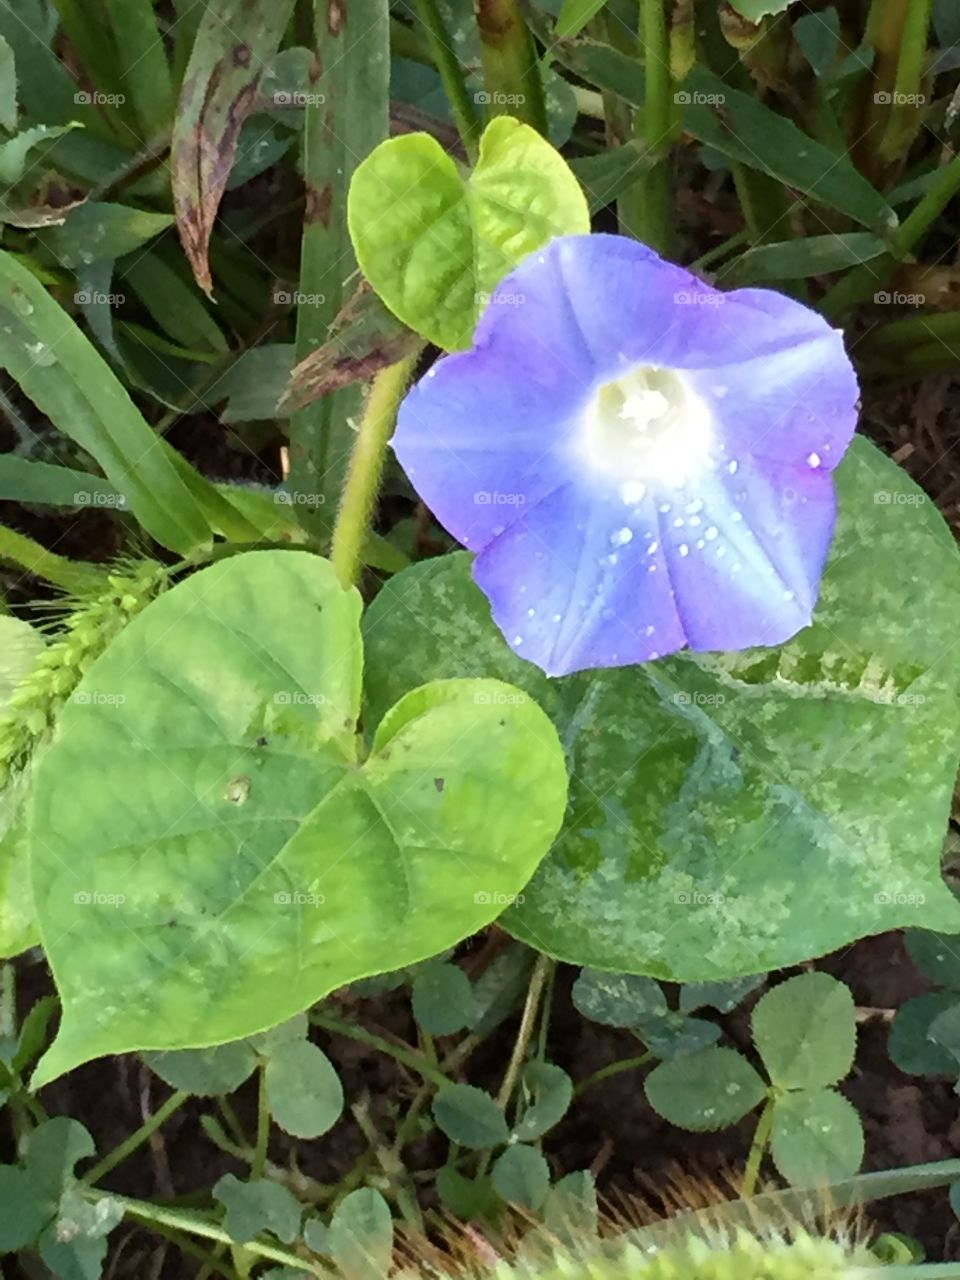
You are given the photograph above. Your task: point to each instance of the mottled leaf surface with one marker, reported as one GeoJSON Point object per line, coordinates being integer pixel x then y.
{"type": "Point", "coordinates": [734, 813]}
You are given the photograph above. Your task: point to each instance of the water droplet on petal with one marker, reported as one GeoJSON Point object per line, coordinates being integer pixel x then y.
{"type": "Point", "coordinates": [621, 537]}
{"type": "Point", "coordinates": [683, 549]}
{"type": "Point", "coordinates": [814, 459]}
{"type": "Point", "coordinates": [710, 533]}
{"type": "Point", "coordinates": [732, 467]}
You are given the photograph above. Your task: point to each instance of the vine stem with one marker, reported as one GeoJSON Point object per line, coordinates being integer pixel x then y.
{"type": "Point", "coordinates": [259, 1161]}
{"type": "Point", "coordinates": [136, 1139]}
{"type": "Point", "coordinates": [178, 1220]}
{"type": "Point", "coordinates": [612, 1069]}
{"type": "Point", "coordinates": [74, 577]}
{"type": "Point", "coordinates": [366, 467]}
{"type": "Point", "coordinates": [446, 61]}
{"type": "Point", "coordinates": [416, 1061]}
{"type": "Point", "coordinates": [528, 1021]}
{"type": "Point", "coordinates": [656, 189]}
{"type": "Point", "coordinates": [757, 1151]}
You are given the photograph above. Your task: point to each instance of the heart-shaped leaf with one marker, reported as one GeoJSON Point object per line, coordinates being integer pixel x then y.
{"type": "Point", "coordinates": [210, 854]}
{"type": "Point", "coordinates": [735, 813]}
{"type": "Point", "coordinates": [434, 245]}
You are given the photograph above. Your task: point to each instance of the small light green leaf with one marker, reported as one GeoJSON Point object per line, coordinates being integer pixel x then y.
{"type": "Point", "coordinates": [258, 1206]}
{"type": "Point", "coordinates": [443, 1000]}
{"type": "Point", "coordinates": [937, 955]}
{"type": "Point", "coordinates": [79, 1259]}
{"type": "Point", "coordinates": [281, 865]}
{"type": "Point", "coordinates": [304, 1091]}
{"type": "Point", "coordinates": [204, 1072]}
{"type": "Point", "coordinates": [705, 1091]}
{"type": "Point", "coordinates": [551, 1092]}
{"type": "Point", "coordinates": [470, 1116]}
{"type": "Point", "coordinates": [805, 1031]}
{"type": "Point", "coordinates": [360, 1238]}
{"type": "Point", "coordinates": [96, 231]}
{"type": "Point", "coordinates": [434, 246]}
{"type": "Point", "coordinates": [522, 1176]}
{"type": "Point", "coordinates": [722, 996]}
{"type": "Point", "coordinates": [617, 999]}
{"type": "Point", "coordinates": [817, 1138]}
{"type": "Point", "coordinates": [79, 1216]}
{"type": "Point", "coordinates": [911, 1046]}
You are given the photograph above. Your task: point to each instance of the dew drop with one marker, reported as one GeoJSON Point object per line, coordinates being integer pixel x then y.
{"type": "Point", "coordinates": [814, 459]}
{"type": "Point", "coordinates": [683, 549]}
{"type": "Point", "coordinates": [710, 533]}
{"type": "Point", "coordinates": [732, 466]}
{"type": "Point", "coordinates": [621, 537]}
{"type": "Point", "coordinates": [633, 492]}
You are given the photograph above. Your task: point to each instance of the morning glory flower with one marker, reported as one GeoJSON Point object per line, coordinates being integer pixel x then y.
{"type": "Point", "coordinates": [641, 461]}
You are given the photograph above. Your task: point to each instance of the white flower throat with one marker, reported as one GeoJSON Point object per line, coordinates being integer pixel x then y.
{"type": "Point", "coordinates": [648, 427]}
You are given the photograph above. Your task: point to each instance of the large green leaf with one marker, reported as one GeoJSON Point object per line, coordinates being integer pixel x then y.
{"type": "Point", "coordinates": [734, 813]}
{"type": "Point", "coordinates": [209, 853]}
{"type": "Point", "coordinates": [433, 246]}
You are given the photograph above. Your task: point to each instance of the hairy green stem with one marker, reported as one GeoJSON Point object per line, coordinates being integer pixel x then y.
{"type": "Point", "coordinates": [17, 548]}
{"type": "Point", "coordinates": [136, 1139]}
{"type": "Point", "coordinates": [366, 467]}
{"type": "Point", "coordinates": [757, 1151]}
{"type": "Point", "coordinates": [415, 1061]}
{"type": "Point", "coordinates": [528, 1021]}
{"type": "Point", "coordinates": [445, 60]}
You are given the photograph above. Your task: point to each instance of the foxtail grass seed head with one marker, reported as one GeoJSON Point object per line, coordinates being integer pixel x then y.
{"type": "Point", "coordinates": [88, 629]}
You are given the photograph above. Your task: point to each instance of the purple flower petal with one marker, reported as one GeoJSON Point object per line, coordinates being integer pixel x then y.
{"type": "Point", "coordinates": [641, 461]}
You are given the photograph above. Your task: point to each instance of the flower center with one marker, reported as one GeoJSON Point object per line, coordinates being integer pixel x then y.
{"type": "Point", "coordinates": [648, 426]}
